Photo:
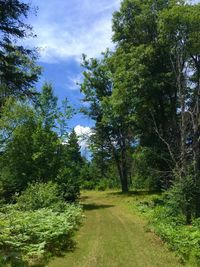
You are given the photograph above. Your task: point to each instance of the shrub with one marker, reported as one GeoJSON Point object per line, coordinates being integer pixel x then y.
{"type": "Point", "coordinates": [102, 185]}
{"type": "Point", "coordinates": [171, 227]}
{"type": "Point", "coordinates": [34, 235]}
{"type": "Point", "coordinates": [38, 225]}
{"type": "Point", "coordinates": [40, 195]}
{"type": "Point", "coordinates": [88, 185]}
{"type": "Point", "coordinates": [69, 184]}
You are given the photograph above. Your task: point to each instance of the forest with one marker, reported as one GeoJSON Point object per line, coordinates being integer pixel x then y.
{"type": "Point", "coordinates": [144, 148]}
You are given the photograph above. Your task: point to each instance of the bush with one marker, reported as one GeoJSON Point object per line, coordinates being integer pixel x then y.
{"type": "Point", "coordinates": [38, 225]}
{"type": "Point", "coordinates": [183, 239]}
{"type": "Point", "coordinates": [171, 227]}
{"type": "Point", "coordinates": [69, 184]}
{"type": "Point", "coordinates": [40, 195]}
{"type": "Point", "coordinates": [33, 235]}
{"type": "Point", "coordinates": [102, 185]}
{"type": "Point", "coordinates": [89, 185]}
{"type": "Point", "coordinates": [148, 165]}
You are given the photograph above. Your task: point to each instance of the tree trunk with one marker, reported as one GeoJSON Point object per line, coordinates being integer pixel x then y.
{"type": "Point", "coordinates": [188, 214]}
{"type": "Point", "coordinates": [123, 179]}
{"type": "Point", "coordinates": [196, 145]}
{"type": "Point", "coordinates": [122, 165]}
{"type": "Point", "coordinates": [124, 172]}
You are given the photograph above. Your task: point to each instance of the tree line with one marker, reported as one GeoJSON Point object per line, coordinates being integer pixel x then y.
{"type": "Point", "coordinates": [40, 159]}
{"type": "Point", "coordinates": [144, 98]}
{"type": "Point", "coordinates": [36, 146]}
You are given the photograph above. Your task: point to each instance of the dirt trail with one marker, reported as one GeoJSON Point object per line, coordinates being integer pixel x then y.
{"type": "Point", "coordinates": [113, 236]}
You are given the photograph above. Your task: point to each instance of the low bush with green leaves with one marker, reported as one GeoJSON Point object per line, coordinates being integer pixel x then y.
{"type": "Point", "coordinates": [102, 185]}
{"type": "Point", "coordinates": [40, 195]}
{"type": "Point", "coordinates": [30, 232]}
{"type": "Point", "coordinates": [172, 228]}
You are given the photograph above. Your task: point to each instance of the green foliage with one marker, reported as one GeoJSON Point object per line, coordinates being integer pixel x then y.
{"type": "Point", "coordinates": [32, 150]}
{"type": "Point", "coordinates": [88, 181]}
{"type": "Point", "coordinates": [171, 226]}
{"type": "Point", "coordinates": [38, 226]}
{"type": "Point", "coordinates": [112, 135]}
{"type": "Point", "coordinates": [34, 235]}
{"type": "Point", "coordinates": [181, 196]}
{"type": "Point", "coordinates": [18, 69]}
{"type": "Point", "coordinates": [102, 185]}
{"type": "Point", "coordinates": [69, 183]}
{"type": "Point", "coordinates": [71, 163]}
{"type": "Point", "coordinates": [104, 178]}
{"type": "Point", "coordinates": [40, 195]}
{"type": "Point", "coordinates": [147, 162]}
{"type": "Point", "coordinates": [185, 240]}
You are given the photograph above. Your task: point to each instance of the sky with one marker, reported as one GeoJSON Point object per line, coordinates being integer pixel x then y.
{"type": "Point", "coordinates": [65, 30]}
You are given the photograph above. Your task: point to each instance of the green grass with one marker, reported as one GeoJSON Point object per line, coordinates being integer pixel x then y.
{"type": "Point", "coordinates": [114, 235]}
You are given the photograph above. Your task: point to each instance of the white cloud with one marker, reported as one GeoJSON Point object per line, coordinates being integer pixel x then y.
{"type": "Point", "coordinates": [83, 133]}
{"type": "Point", "coordinates": [73, 27]}
{"type": "Point", "coordinates": [74, 81]}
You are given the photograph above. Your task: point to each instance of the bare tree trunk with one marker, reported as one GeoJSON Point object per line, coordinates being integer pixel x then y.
{"type": "Point", "coordinates": [124, 168]}
{"type": "Point", "coordinates": [121, 163]}
{"type": "Point", "coordinates": [196, 141]}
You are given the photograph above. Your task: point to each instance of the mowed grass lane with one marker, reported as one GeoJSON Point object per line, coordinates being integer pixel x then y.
{"type": "Point", "coordinates": [113, 235]}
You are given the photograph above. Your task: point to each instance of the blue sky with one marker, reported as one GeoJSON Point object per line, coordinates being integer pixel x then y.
{"type": "Point", "coordinates": [65, 30]}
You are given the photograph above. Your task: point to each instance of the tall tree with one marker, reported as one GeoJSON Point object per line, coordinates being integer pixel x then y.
{"type": "Point", "coordinates": [18, 70]}
{"type": "Point", "coordinates": [112, 126]}
{"type": "Point", "coordinates": [156, 77]}
{"type": "Point", "coordinates": [179, 30]}
{"type": "Point", "coordinates": [143, 79]}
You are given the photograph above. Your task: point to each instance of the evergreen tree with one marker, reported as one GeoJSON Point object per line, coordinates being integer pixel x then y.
{"type": "Point", "coordinates": [69, 174]}
{"type": "Point", "coordinates": [18, 70]}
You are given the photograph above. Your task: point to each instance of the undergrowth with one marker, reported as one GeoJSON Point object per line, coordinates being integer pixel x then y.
{"type": "Point", "coordinates": [36, 228]}
{"type": "Point", "coordinates": [181, 238]}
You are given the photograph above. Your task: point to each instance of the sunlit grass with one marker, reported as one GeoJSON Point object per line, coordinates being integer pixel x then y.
{"type": "Point", "coordinates": [114, 234]}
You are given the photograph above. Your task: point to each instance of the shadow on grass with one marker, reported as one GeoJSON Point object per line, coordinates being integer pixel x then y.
{"type": "Point", "coordinates": [83, 198]}
{"type": "Point", "coordinates": [135, 193]}
{"type": "Point", "coordinates": [93, 206]}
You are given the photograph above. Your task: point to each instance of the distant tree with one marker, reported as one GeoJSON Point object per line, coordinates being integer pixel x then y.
{"type": "Point", "coordinates": [69, 174]}
{"type": "Point", "coordinates": [31, 148]}
{"type": "Point", "coordinates": [47, 106]}
{"type": "Point", "coordinates": [18, 123]}
{"type": "Point", "coordinates": [73, 148]}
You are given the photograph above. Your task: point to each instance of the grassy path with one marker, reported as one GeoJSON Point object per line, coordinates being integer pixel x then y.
{"type": "Point", "coordinates": [114, 236]}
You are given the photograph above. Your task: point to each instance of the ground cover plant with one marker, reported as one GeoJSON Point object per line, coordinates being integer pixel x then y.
{"type": "Point", "coordinates": [38, 226]}
{"type": "Point", "coordinates": [171, 226]}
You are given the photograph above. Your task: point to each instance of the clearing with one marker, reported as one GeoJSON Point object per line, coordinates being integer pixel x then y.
{"type": "Point", "coordinates": [114, 235]}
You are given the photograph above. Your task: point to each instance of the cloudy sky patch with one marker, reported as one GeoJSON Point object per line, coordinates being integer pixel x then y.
{"type": "Point", "coordinates": [65, 30]}
{"type": "Point", "coordinates": [84, 134]}
{"type": "Point", "coordinates": [73, 27]}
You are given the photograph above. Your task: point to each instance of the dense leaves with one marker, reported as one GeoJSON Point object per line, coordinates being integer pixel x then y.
{"type": "Point", "coordinates": [18, 70]}
{"type": "Point", "coordinates": [31, 135]}
{"type": "Point", "coordinates": [167, 222]}
{"type": "Point", "coordinates": [32, 233]}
